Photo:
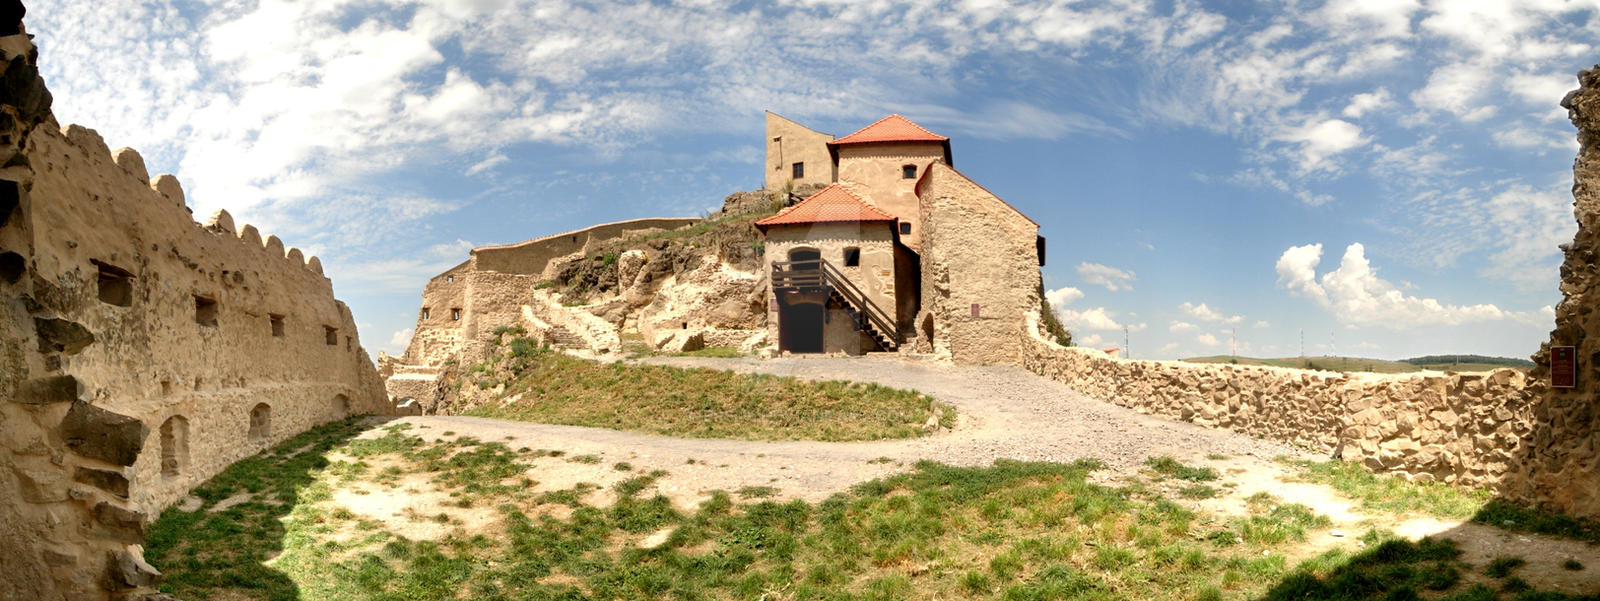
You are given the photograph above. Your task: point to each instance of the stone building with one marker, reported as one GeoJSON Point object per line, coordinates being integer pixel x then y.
{"type": "Point", "coordinates": [140, 352]}
{"type": "Point", "coordinates": [901, 250]}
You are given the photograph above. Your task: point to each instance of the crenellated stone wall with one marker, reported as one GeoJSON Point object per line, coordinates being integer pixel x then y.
{"type": "Point", "coordinates": [140, 352]}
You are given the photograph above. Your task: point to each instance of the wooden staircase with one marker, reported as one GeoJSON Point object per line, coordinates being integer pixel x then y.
{"type": "Point", "coordinates": [818, 275]}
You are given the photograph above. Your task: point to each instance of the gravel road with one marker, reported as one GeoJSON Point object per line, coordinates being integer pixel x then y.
{"type": "Point", "coordinates": [1004, 412]}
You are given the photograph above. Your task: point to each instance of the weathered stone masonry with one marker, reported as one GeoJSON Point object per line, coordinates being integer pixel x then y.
{"type": "Point", "coordinates": [140, 352]}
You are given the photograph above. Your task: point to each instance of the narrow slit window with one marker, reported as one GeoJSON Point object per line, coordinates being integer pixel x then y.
{"type": "Point", "coordinates": [424, 312]}
{"type": "Point", "coordinates": [852, 257]}
{"type": "Point", "coordinates": [331, 335]}
{"type": "Point", "coordinates": [205, 311]}
{"type": "Point", "coordinates": [905, 228]}
{"type": "Point", "coordinates": [799, 170]}
{"type": "Point", "coordinates": [277, 324]}
{"type": "Point", "coordinates": [174, 445]}
{"type": "Point", "coordinates": [116, 285]}
{"type": "Point", "coordinates": [908, 171]}
{"type": "Point", "coordinates": [455, 315]}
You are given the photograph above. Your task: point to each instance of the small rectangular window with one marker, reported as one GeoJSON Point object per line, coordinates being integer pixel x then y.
{"type": "Point", "coordinates": [116, 285]}
{"type": "Point", "coordinates": [905, 228]}
{"type": "Point", "coordinates": [455, 315]}
{"type": "Point", "coordinates": [424, 312]}
{"type": "Point", "coordinates": [277, 324]}
{"type": "Point", "coordinates": [205, 311]}
{"type": "Point", "coordinates": [908, 172]}
{"type": "Point", "coordinates": [852, 257]}
{"type": "Point", "coordinates": [799, 170]}
{"type": "Point", "coordinates": [449, 279]}
{"type": "Point", "coordinates": [331, 335]}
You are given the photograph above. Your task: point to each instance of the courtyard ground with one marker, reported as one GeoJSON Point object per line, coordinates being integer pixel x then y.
{"type": "Point", "coordinates": [1035, 492]}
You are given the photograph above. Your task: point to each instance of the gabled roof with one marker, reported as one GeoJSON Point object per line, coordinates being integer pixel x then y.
{"type": "Point", "coordinates": [927, 173]}
{"type": "Point", "coordinates": [893, 128]}
{"type": "Point", "coordinates": [833, 204]}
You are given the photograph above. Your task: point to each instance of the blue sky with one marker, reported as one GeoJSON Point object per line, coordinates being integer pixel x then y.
{"type": "Point", "coordinates": [1390, 177]}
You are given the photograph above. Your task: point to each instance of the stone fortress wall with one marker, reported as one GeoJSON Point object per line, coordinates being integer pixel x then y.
{"type": "Point", "coordinates": [1504, 430]}
{"type": "Point", "coordinates": [140, 352]}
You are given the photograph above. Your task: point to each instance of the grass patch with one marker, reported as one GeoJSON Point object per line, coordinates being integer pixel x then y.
{"type": "Point", "coordinates": [1013, 530]}
{"type": "Point", "coordinates": [1510, 516]}
{"type": "Point", "coordinates": [1393, 494]}
{"type": "Point", "coordinates": [717, 352]}
{"type": "Point", "coordinates": [698, 403]}
{"type": "Point", "coordinates": [1168, 467]}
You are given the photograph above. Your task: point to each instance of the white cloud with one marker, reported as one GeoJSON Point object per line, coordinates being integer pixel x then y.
{"type": "Point", "coordinates": [1355, 295]}
{"type": "Point", "coordinates": [1455, 88]}
{"type": "Point", "coordinates": [1181, 326]}
{"type": "Point", "coordinates": [487, 163]}
{"type": "Point", "coordinates": [1103, 275]}
{"type": "Point", "coordinates": [1263, 324]}
{"type": "Point", "coordinates": [399, 341]}
{"type": "Point", "coordinates": [1322, 139]}
{"type": "Point", "coordinates": [1203, 312]}
{"type": "Point", "coordinates": [1368, 19]}
{"type": "Point", "coordinates": [1207, 340]}
{"type": "Point", "coordinates": [1097, 318]}
{"type": "Point", "coordinates": [1169, 347]}
{"type": "Point", "coordinates": [1061, 297]}
{"type": "Point", "coordinates": [1091, 340]}
{"type": "Point", "coordinates": [1361, 104]}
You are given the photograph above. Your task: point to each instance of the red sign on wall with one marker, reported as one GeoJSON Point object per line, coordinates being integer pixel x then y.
{"type": "Point", "coordinates": [1563, 367]}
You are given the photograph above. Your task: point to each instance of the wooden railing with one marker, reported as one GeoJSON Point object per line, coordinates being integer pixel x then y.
{"type": "Point", "coordinates": [818, 273]}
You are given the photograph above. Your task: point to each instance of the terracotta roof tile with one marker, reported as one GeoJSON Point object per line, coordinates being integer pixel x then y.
{"type": "Point", "coordinates": [833, 204]}
{"type": "Point", "coordinates": [893, 128]}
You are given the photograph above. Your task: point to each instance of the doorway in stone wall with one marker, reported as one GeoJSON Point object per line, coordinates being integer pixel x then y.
{"type": "Point", "coordinates": [803, 307]}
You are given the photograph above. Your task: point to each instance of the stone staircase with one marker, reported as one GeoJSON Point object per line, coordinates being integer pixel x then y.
{"type": "Point", "coordinates": [561, 337]}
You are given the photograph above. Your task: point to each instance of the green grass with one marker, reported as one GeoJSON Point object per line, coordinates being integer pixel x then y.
{"type": "Point", "coordinates": [1171, 468]}
{"type": "Point", "coordinates": [717, 352]}
{"type": "Point", "coordinates": [1013, 530]}
{"type": "Point", "coordinates": [697, 403]}
{"type": "Point", "coordinates": [1392, 494]}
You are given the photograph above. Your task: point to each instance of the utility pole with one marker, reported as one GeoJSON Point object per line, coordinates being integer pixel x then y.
{"type": "Point", "coordinates": [1233, 336]}
{"type": "Point", "coordinates": [1333, 348]}
{"type": "Point", "coordinates": [1127, 351]}
{"type": "Point", "coordinates": [1302, 343]}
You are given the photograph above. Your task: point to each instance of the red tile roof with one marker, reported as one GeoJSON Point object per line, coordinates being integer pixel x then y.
{"type": "Point", "coordinates": [893, 128]}
{"type": "Point", "coordinates": [833, 204]}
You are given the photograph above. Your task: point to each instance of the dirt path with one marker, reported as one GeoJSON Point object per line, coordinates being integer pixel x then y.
{"type": "Point", "coordinates": [1004, 413]}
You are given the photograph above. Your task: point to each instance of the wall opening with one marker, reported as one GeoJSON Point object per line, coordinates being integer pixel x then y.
{"type": "Point", "coordinates": [424, 312]}
{"type": "Point", "coordinates": [277, 324]}
{"type": "Point", "coordinates": [260, 423]}
{"type": "Point", "coordinates": [174, 445]}
{"type": "Point", "coordinates": [449, 279]}
{"type": "Point", "coordinates": [116, 285]}
{"type": "Point", "coordinates": [330, 335]}
{"type": "Point", "coordinates": [908, 172]}
{"type": "Point", "coordinates": [455, 315]}
{"type": "Point", "coordinates": [799, 170]}
{"type": "Point", "coordinates": [205, 311]}
{"type": "Point", "coordinates": [349, 343]}
{"type": "Point", "coordinates": [905, 229]}
{"type": "Point", "coordinates": [11, 267]}
{"type": "Point", "coordinates": [341, 403]}
{"type": "Point", "coordinates": [852, 257]}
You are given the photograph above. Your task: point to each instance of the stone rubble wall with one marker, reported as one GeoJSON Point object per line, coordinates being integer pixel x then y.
{"type": "Point", "coordinates": [1453, 428]}
{"type": "Point", "coordinates": [597, 334]}
{"type": "Point", "coordinates": [139, 353]}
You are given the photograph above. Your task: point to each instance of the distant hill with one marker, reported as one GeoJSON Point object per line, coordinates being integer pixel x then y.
{"type": "Point", "coordinates": [1431, 360]}
{"type": "Point", "coordinates": [1381, 366]}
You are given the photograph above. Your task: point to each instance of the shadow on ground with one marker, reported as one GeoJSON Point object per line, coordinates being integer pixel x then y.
{"type": "Point", "coordinates": [223, 544]}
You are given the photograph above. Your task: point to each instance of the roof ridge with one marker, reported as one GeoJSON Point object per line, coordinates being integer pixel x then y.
{"type": "Point", "coordinates": [861, 211]}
